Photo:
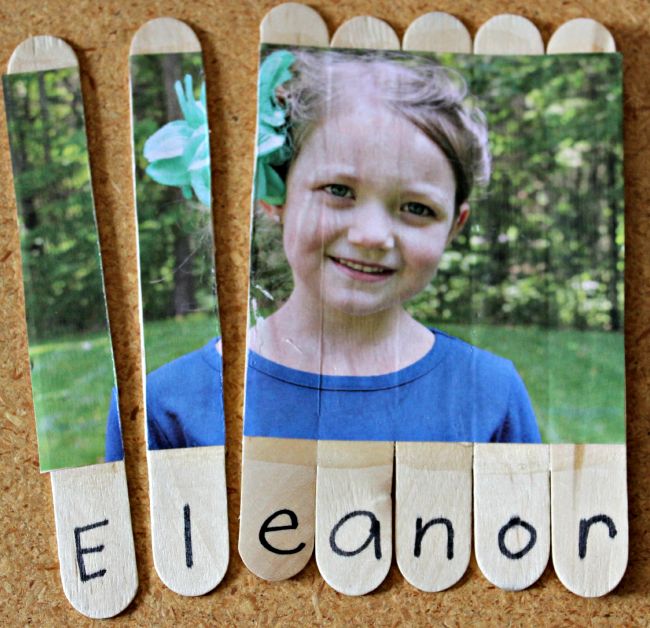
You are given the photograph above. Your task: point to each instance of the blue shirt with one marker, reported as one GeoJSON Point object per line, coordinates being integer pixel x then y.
{"type": "Point", "coordinates": [455, 393]}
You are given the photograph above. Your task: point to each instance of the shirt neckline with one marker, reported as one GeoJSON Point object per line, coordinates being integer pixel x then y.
{"type": "Point", "coordinates": [306, 379]}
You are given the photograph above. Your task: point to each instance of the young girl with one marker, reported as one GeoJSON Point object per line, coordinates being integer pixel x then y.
{"type": "Point", "coordinates": [367, 160]}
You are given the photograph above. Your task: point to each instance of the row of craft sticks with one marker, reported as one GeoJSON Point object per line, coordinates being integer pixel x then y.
{"type": "Point", "coordinates": [187, 485]}
{"type": "Point", "coordinates": [519, 490]}
{"type": "Point", "coordinates": [297, 24]}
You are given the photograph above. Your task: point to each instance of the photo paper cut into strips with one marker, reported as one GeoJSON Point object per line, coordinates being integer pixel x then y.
{"type": "Point", "coordinates": [504, 284]}
{"type": "Point", "coordinates": [70, 347]}
{"type": "Point", "coordinates": [181, 353]}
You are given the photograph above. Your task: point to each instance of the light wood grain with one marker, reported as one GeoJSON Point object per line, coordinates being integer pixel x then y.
{"type": "Point", "coordinates": [511, 481]}
{"type": "Point", "coordinates": [437, 32]}
{"type": "Point", "coordinates": [40, 53]}
{"type": "Point", "coordinates": [365, 32]}
{"type": "Point", "coordinates": [279, 475]}
{"type": "Point", "coordinates": [508, 34]}
{"type": "Point", "coordinates": [581, 35]}
{"type": "Point", "coordinates": [187, 487]}
{"type": "Point", "coordinates": [588, 481]}
{"type": "Point", "coordinates": [433, 487]}
{"type": "Point", "coordinates": [164, 35]}
{"type": "Point", "coordinates": [187, 490]}
{"type": "Point", "coordinates": [354, 477]}
{"type": "Point", "coordinates": [293, 24]}
{"type": "Point", "coordinates": [511, 493]}
{"type": "Point", "coordinates": [97, 564]}
{"type": "Point", "coordinates": [95, 496]}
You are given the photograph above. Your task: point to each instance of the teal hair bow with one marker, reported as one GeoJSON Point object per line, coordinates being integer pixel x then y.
{"type": "Point", "coordinates": [179, 153]}
{"type": "Point", "coordinates": [273, 147]}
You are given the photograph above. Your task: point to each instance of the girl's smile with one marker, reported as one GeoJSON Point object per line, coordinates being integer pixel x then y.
{"type": "Point", "coordinates": [369, 210]}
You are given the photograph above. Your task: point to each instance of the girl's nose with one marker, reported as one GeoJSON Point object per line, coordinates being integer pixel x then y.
{"type": "Point", "coordinates": [372, 228]}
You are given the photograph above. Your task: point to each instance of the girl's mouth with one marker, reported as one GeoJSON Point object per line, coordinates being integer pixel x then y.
{"type": "Point", "coordinates": [363, 271]}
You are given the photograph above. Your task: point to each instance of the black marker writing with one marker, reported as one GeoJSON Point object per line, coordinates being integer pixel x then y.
{"type": "Point", "coordinates": [80, 551]}
{"type": "Point", "coordinates": [516, 521]}
{"type": "Point", "coordinates": [189, 560]}
{"type": "Point", "coordinates": [583, 534]}
{"type": "Point", "coordinates": [267, 527]}
{"type": "Point", "coordinates": [373, 534]}
{"type": "Point", "coordinates": [420, 531]}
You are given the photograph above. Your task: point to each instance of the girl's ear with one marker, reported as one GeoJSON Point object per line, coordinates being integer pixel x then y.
{"type": "Point", "coordinates": [459, 223]}
{"type": "Point", "coordinates": [274, 212]}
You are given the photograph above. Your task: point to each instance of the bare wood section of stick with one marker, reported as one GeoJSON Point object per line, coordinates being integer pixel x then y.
{"type": "Point", "coordinates": [276, 531]}
{"type": "Point", "coordinates": [189, 517]}
{"type": "Point", "coordinates": [433, 512]}
{"type": "Point", "coordinates": [511, 513]}
{"type": "Point", "coordinates": [581, 35]}
{"type": "Point", "coordinates": [278, 485]}
{"type": "Point", "coordinates": [294, 24]}
{"type": "Point", "coordinates": [437, 32]}
{"type": "Point", "coordinates": [589, 516]}
{"type": "Point", "coordinates": [588, 482]}
{"type": "Point", "coordinates": [354, 479]}
{"type": "Point", "coordinates": [164, 35]}
{"type": "Point", "coordinates": [508, 34]}
{"type": "Point", "coordinates": [511, 482]}
{"type": "Point", "coordinates": [433, 488]}
{"type": "Point", "coordinates": [94, 538]}
{"type": "Point", "coordinates": [354, 514]}
{"type": "Point", "coordinates": [365, 32]}
{"type": "Point", "coordinates": [40, 53]}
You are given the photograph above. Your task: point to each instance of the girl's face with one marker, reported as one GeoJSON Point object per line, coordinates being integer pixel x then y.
{"type": "Point", "coordinates": [369, 210]}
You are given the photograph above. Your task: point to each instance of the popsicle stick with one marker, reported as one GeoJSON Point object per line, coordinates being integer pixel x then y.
{"type": "Point", "coordinates": [511, 483]}
{"type": "Point", "coordinates": [437, 32]}
{"type": "Point", "coordinates": [508, 34]}
{"type": "Point", "coordinates": [91, 506]}
{"type": "Point", "coordinates": [278, 489]}
{"type": "Point", "coordinates": [581, 35]}
{"type": "Point", "coordinates": [354, 544]}
{"type": "Point", "coordinates": [276, 530]}
{"type": "Point", "coordinates": [365, 32]}
{"type": "Point", "coordinates": [354, 479]}
{"type": "Point", "coordinates": [187, 483]}
{"type": "Point", "coordinates": [433, 481]}
{"type": "Point", "coordinates": [293, 24]}
{"type": "Point", "coordinates": [433, 512]}
{"type": "Point", "coordinates": [589, 520]}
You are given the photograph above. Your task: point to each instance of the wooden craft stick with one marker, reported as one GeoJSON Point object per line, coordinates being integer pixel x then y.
{"type": "Point", "coordinates": [511, 484]}
{"type": "Point", "coordinates": [185, 422]}
{"type": "Point", "coordinates": [354, 542]}
{"type": "Point", "coordinates": [437, 32]}
{"type": "Point", "coordinates": [278, 489]}
{"type": "Point", "coordinates": [433, 481]}
{"type": "Point", "coordinates": [589, 520]}
{"type": "Point", "coordinates": [91, 506]}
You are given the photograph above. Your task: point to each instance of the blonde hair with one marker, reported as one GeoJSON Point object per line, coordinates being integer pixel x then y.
{"type": "Point", "coordinates": [431, 96]}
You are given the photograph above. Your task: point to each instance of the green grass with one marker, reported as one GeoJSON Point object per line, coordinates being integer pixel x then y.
{"type": "Point", "coordinates": [72, 378]}
{"type": "Point", "coordinates": [575, 380]}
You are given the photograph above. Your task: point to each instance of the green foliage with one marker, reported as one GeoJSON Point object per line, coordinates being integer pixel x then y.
{"type": "Point", "coordinates": [175, 232]}
{"type": "Point", "coordinates": [61, 266]}
{"type": "Point", "coordinates": [72, 379]}
{"type": "Point", "coordinates": [575, 379]}
{"type": "Point", "coordinates": [544, 245]}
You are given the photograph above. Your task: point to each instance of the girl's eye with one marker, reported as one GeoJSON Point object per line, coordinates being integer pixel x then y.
{"type": "Point", "coordinates": [339, 190]}
{"type": "Point", "coordinates": [419, 209]}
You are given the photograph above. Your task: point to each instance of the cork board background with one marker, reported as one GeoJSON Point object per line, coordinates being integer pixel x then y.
{"type": "Point", "coordinates": [30, 589]}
